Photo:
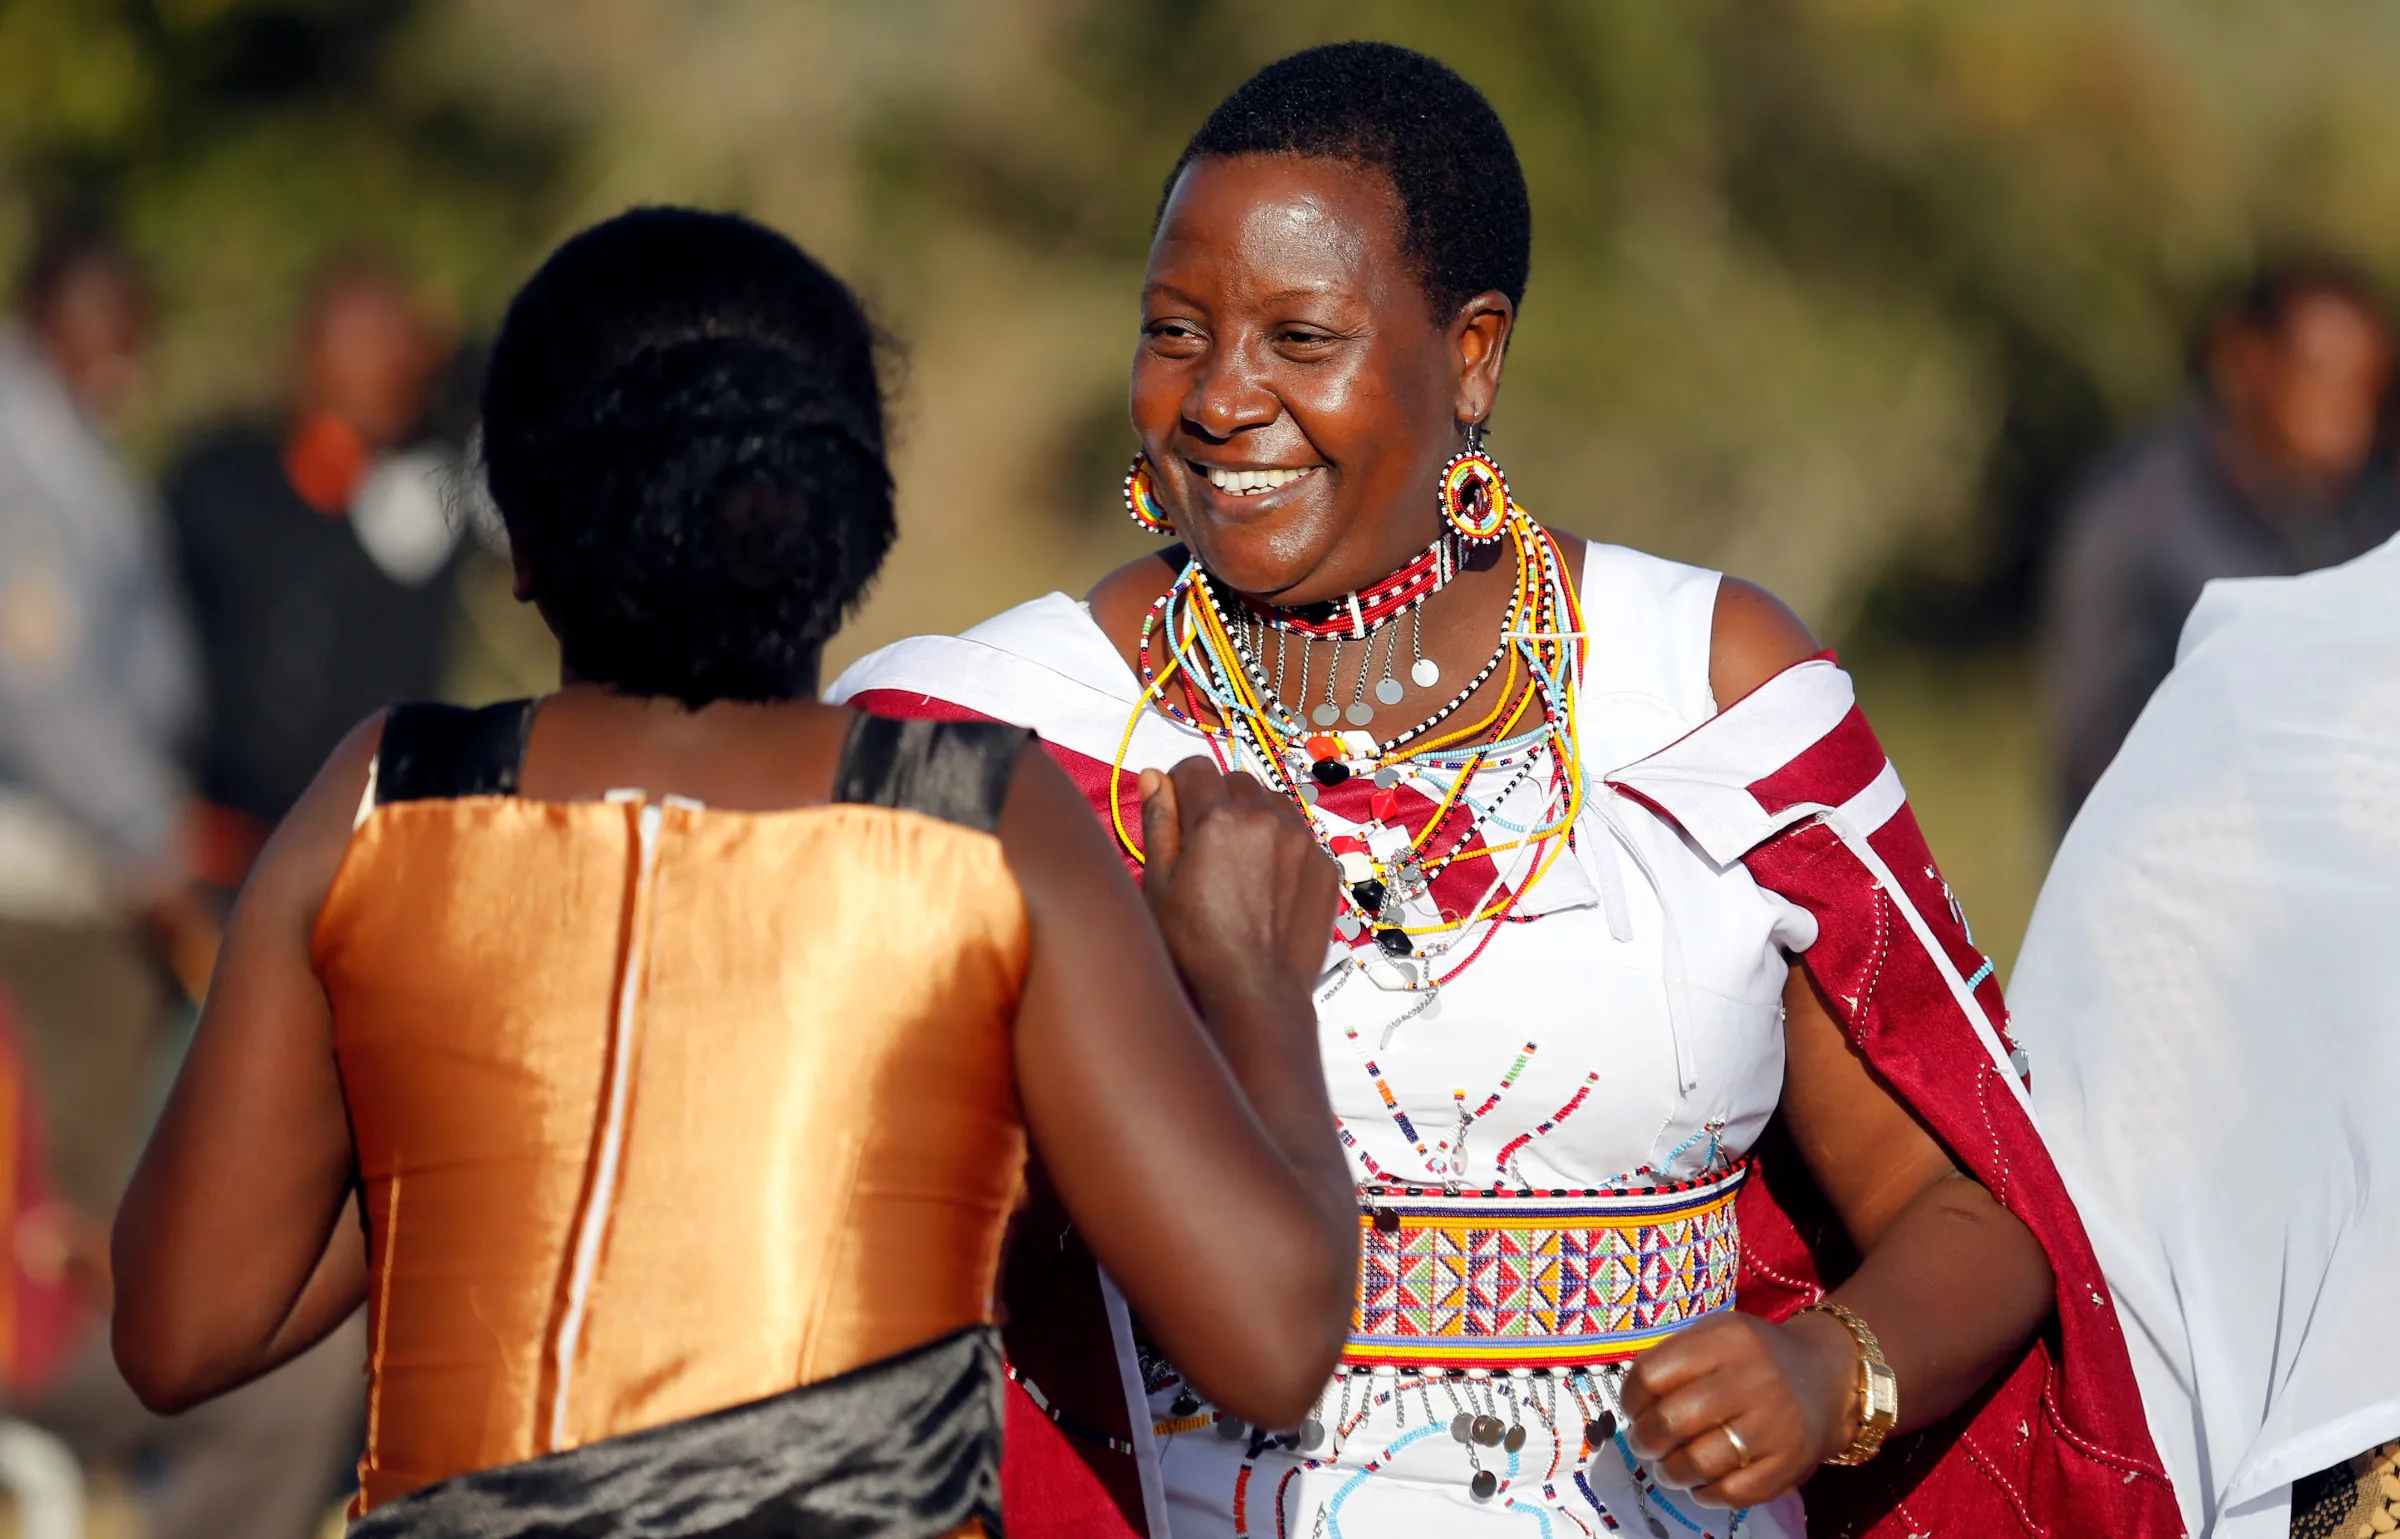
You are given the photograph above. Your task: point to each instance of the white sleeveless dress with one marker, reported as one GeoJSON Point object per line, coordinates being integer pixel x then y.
{"type": "Point", "coordinates": [1616, 1053]}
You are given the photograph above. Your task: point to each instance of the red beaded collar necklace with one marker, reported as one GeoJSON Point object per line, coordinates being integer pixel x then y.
{"type": "Point", "coordinates": [1356, 616]}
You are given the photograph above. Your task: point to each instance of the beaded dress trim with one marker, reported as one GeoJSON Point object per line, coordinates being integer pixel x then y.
{"type": "Point", "coordinates": [1475, 1282]}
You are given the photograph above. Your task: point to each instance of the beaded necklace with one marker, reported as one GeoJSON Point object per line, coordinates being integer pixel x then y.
{"type": "Point", "coordinates": [1209, 650]}
{"type": "Point", "coordinates": [1361, 614]}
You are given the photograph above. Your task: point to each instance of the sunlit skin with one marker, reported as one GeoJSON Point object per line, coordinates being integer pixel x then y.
{"type": "Point", "coordinates": [1302, 352]}
{"type": "Point", "coordinates": [1283, 327]}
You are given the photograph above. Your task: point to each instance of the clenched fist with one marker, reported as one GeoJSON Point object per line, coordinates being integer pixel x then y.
{"type": "Point", "coordinates": [1243, 895]}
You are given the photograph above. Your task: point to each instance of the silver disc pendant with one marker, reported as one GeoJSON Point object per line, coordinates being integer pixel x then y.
{"type": "Point", "coordinates": [1359, 714]}
{"type": "Point", "coordinates": [1425, 673]}
{"type": "Point", "coordinates": [1462, 1428]}
{"type": "Point", "coordinates": [1388, 690]}
{"type": "Point", "coordinates": [1231, 1428]}
{"type": "Point", "coordinates": [1310, 1436]}
{"type": "Point", "coordinates": [1515, 1441]}
{"type": "Point", "coordinates": [1326, 715]}
{"type": "Point", "coordinates": [1487, 1430]}
{"type": "Point", "coordinates": [1485, 1486]}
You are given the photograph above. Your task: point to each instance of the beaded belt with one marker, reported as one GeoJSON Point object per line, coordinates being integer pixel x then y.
{"type": "Point", "coordinates": [1543, 1280]}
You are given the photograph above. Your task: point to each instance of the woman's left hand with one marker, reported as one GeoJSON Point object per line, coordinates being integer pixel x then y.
{"type": "Point", "coordinates": [1785, 1390]}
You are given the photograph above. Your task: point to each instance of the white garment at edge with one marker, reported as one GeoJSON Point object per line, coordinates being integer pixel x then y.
{"type": "Point", "coordinates": [2208, 995]}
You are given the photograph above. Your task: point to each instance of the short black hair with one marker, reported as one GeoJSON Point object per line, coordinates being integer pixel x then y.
{"type": "Point", "coordinates": [1468, 224]}
{"type": "Point", "coordinates": [683, 431]}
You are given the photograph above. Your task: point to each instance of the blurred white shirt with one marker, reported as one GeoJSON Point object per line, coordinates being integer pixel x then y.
{"type": "Point", "coordinates": [2210, 992]}
{"type": "Point", "coordinates": [97, 675]}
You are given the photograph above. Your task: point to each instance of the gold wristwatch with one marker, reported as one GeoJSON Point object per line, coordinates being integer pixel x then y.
{"type": "Point", "coordinates": [1878, 1387]}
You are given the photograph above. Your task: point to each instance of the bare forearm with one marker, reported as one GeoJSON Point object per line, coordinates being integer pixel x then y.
{"type": "Point", "coordinates": [1953, 1290]}
{"type": "Point", "coordinates": [332, 1294]}
{"type": "Point", "coordinates": [1269, 1045]}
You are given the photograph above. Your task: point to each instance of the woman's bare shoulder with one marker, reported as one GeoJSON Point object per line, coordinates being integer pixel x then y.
{"type": "Point", "coordinates": [1119, 600]}
{"type": "Point", "coordinates": [296, 869]}
{"type": "Point", "coordinates": [1756, 636]}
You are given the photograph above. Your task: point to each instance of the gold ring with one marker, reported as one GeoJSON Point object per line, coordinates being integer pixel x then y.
{"type": "Point", "coordinates": [1741, 1449]}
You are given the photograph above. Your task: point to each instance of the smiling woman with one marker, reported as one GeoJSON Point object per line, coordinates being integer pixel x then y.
{"type": "Point", "coordinates": [1647, 1017]}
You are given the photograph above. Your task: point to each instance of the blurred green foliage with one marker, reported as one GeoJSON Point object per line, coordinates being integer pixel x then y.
{"type": "Point", "coordinates": [1837, 294]}
{"type": "Point", "coordinates": [241, 143]}
{"type": "Point", "coordinates": [1821, 285]}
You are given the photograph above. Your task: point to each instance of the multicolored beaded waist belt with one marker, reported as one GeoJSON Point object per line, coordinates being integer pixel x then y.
{"type": "Point", "coordinates": [1541, 1280]}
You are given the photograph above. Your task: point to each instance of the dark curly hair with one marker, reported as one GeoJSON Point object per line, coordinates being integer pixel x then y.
{"type": "Point", "coordinates": [1468, 222]}
{"type": "Point", "coordinates": [683, 431]}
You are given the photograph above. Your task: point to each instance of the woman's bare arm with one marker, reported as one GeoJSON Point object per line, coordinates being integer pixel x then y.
{"type": "Point", "coordinates": [1952, 1284]}
{"type": "Point", "coordinates": [1199, 1162]}
{"type": "Point", "coordinates": [236, 1246]}
{"type": "Point", "coordinates": [1225, 1216]}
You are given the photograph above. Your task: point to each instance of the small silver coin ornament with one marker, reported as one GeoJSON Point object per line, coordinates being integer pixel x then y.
{"type": "Point", "coordinates": [1230, 1428]}
{"type": "Point", "coordinates": [1309, 1436]}
{"type": "Point", "coordinates": [1462, 1428]}
{"type": "Point", "coordinates": [1388, 691]}
{"type": "Point", "coordinates": [1488, 1431]}
{"type": "Point", "coordinates": [1359, 714]}
{"type": "Point", "coordinates": [1484, 1486]}
{"type": "Point", "coordinates": [1425, 673]}
{"type": "Point", "coordinates": [1326, 714]}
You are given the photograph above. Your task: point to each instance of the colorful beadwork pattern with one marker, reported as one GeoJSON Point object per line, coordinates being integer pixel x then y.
{"type": "Point", "coordinates": [1540, 1282]}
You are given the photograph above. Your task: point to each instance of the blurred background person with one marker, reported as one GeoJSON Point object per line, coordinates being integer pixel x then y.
{"type": "Point", "coordinates": [97, 685]}
{"type": "Point", "coordinates": [319, 555]}
{"type": "Point", "coordinates": [2272, 472]}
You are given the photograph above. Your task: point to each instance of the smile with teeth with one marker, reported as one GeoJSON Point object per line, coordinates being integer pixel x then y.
{"type": "Point", "coordinates": [1250, 483]}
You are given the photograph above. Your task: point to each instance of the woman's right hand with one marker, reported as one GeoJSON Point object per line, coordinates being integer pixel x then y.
{"type": "Point", "coordinates": [1195, 1148]}
{"type": "Point", "coordinates": [1243, 895]}
{"type": "Point", "coordinates": [1786, 1390]}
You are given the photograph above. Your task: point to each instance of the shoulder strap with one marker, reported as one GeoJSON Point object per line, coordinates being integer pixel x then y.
{"type": "Point", "coordinates": [957, 771]}
{"type": "Point", "coordinates": [433, 751]}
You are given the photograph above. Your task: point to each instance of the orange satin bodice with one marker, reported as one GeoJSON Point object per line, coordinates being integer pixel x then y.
{"type": "Point", "coordinates": [661, 1109]}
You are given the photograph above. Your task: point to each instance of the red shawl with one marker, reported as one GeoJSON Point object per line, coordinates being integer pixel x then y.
{"type": "Point", "coordinates": [1791, 782]}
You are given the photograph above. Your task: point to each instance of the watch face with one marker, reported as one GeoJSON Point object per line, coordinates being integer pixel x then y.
{"type": "Point", "coordinates": [1883, 1394]}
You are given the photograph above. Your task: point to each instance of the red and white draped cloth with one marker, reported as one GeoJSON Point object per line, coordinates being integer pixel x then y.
{"type": "Point", "coordinates": [1790, 782]}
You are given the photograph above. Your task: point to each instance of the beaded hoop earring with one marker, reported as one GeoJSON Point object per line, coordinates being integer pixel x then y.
{"type": "Point", "coordinates": [1141, 499]}
{"type": "Point", "coordinates": [1474, 493]}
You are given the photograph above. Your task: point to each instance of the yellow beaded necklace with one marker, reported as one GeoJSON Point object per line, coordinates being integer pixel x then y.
{"type": "Point", "coordinates": [1228, 697]}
